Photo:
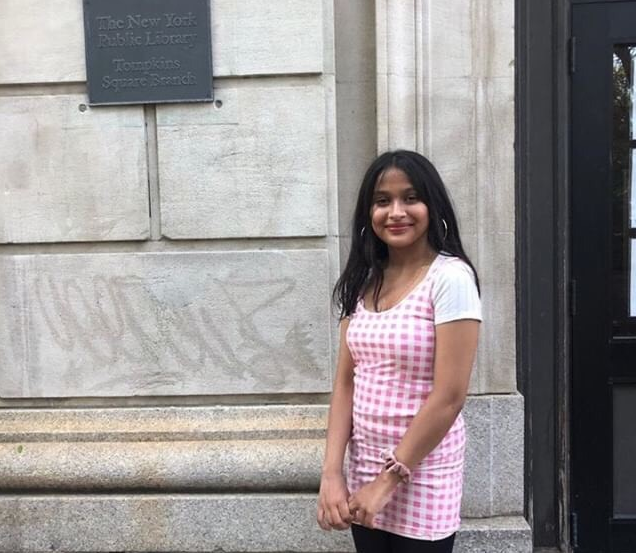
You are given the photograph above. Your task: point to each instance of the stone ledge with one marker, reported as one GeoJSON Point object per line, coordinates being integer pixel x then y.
{"type": "Point", "coordinates": [197, 522]}
{"type": "Point", "coordinates": [229, 448]}
{"type": "Point", "coordinates": [495, 535]}
{"type": "Point", "coordinates": [261, 422]}
{"type": "Point", "coordinates": [213, 449]}
{"type": "Point", "coordinates": [211, 466]}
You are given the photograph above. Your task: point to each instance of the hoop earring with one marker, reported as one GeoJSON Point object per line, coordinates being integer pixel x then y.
{"type": "Point", "coordinates": [364, 229]}
{"type": "Point", "coordinates": [445, 228]}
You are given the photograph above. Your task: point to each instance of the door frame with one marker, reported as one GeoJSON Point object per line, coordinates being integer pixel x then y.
{"type": "Point", "coordinates": [544, 59]}
{"type": "Point", "coordinates": [542, 90]}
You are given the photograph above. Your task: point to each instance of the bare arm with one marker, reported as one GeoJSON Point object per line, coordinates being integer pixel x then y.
{"type": "Point", "coordinates": [340, 410]}
{"type": "Point", "coordinates": [333, 511]}
{"type": "Point", "coordinates": [455, 346]}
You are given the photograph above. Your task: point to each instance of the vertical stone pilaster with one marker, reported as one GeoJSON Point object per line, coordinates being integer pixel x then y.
{"type": "Point", "coordinates": [397, 49]}
{"type": "Point", "coordinates": [445, 87]}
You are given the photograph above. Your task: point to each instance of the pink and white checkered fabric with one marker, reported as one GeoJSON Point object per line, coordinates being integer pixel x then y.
{"type": "Point", "coordinates": [393, 353]}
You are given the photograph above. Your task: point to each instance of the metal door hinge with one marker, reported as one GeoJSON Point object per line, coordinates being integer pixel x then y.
{"type": "Point", "coordinates": [574, 530]}
{"type": "Point", "coordinates": [572, 55]}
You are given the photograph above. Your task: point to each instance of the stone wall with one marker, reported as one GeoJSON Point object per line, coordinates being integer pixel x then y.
{"type": "Point", "coordinates": [135, 310]}
{"type": "Point", "coordinates": [166, 338]}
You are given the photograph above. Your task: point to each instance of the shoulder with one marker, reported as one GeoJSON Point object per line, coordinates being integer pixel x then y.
{"type": "Point", "coordinates": [454, 291]}
{"type": "Point", "coordinates": [453, 270]}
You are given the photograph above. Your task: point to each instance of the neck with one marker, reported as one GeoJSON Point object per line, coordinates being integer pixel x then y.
{"type": "Point", "coordinates": [410, 258]}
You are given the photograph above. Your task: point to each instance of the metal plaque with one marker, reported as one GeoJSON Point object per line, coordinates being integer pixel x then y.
{"type": "Point", "coordinates": [148, 51]}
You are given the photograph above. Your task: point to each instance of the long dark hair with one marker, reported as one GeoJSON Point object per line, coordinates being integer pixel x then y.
{"type": "Point", "coordinates": [368, 253]}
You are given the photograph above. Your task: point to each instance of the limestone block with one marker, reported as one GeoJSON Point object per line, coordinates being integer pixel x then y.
{"type": "Point", "coordinates": [507, 457]}
{"type": "Point", "coordinates": [496, 355]}
{"type": "Point", "coordinates": [256, 448]}
{"type": "Point", "coordinates": [495, 154]}
{"type": "Point", "coordinates": [452, 127]}
{"type": "Point", "coordinates": [476, 42]}
{"type": "Point", "coordinates": [494, 535]}
{"type": "Point", "coordinates": [214, 448]}
{"type": "Point", "coordinates": [41, 41]}
{"type": "Point", "coordinates": [254, 465]}
{"type": "Point", "coordinates": [355, 41]}
{"type": "Point", "coordinates": [448, 29]}
{"type": "Point", "coordinates": [382, 117]}
{"type": "Point", "coordinates": [71, 175]}
{"type": "Point", "coordinates": [495, 206]}
{"type": "Point", "coordinates": [150, 424]}
{"type": "Point", "coordinates": [203, 522]}
{"type": "Point", "coordinates": [402, 111]}
{"type": "Point", "coordinates": [477, 496]}
{"type": "Point", "coordinates": [493, 477]}
{"type": "Point", "coordinates": [477, 115]}
{"type": "Point", "coordinates": [397, 104]}
{"type": "Point", "coordinates": [494, 34]}
{"type": "Point", "coordinates": [256, 167]}
{"type": "Point", "coordinates": [358, 143]}
{"type": "Point", "coordinates": [164, 324]}
{"type": "Point", "coordinates": [255, 38]}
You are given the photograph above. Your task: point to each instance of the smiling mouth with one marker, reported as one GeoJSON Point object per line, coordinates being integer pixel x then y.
{"type": "Point", "coordinates": [397, 227]}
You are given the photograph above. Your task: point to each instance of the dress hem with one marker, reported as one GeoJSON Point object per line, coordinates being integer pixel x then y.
{"type": "Point", "coordinates": [405, 532]}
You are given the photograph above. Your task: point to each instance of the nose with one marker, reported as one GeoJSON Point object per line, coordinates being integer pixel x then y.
{"type": "Point", "coordinates": [397, 210]}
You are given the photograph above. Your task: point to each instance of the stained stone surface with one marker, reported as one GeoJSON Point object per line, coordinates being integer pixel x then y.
{"type": "Point", "coordinates": [216, 465]}
{"type": "Point", "coordinates": [477, 493]}
{"type": "Point", "coordinates": [496, 237]}
{"type": "Point", "coordinates": [71, 175]}
{"type": "Point", "coordinates": [493, 477]}
{"type": "Point", "coordinates": [43, 41]}
{"type": "Point", "coordinates": [494, 535]}
{"type": "Point", "coordinates": [164, 323]}
{"type": "Point", "coordinates": [507, 454]}
{"type": "Point", "coordinates": [163, 424]}
{"type": "Point", "coordinates": [460, 113]}
{"type": "Point", "coordinates": [480, 178]}
{"type": "Point", "coordinates": [228, 448]}
{"type": "Point", "coordinates": [203, 522]}
{"type": "Point", "coordinates": [256, 167]}
{"type": "Point", "coordinates": [252, 37]}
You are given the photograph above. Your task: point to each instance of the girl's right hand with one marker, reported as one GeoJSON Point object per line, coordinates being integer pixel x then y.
{"type": "Point", "coordinates": [333, 507]}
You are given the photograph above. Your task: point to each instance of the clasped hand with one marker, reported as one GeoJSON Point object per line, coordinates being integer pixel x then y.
{"type": "Point", "coordinates": [337, 509]}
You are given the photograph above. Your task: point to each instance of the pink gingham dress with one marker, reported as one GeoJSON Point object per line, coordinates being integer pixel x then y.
{"type": "Point", "coordinates": [393, 352]}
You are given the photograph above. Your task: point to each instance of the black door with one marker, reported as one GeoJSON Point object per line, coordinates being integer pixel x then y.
{"type": "Point", "coordinates": [603, 416]}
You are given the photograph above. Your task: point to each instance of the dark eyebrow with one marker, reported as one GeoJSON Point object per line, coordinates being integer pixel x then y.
{"type": "Point", "coordinates": [410, 190]}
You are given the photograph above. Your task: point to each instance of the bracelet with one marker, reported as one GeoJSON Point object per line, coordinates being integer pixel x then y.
{"type": "Point", "coordinates": [391, 464]}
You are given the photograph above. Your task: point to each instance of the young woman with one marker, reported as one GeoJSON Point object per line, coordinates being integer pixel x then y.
{"type": "Point", "coordinates": [410, 312]}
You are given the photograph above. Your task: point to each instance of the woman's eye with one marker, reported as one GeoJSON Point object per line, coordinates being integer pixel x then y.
{"type": "Point", "coordinates": [381, 201]}
{"type": "Point", "coordinates": [412, 198]}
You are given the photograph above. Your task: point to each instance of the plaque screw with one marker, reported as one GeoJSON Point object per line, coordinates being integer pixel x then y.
{"type": "Point", "coordinates": [218, 104]}
{"type": "Point", "coordinates": [82, 107]}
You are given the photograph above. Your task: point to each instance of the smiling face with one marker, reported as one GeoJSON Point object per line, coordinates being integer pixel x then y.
{"type": "Point", "coordinates": [399, 217]}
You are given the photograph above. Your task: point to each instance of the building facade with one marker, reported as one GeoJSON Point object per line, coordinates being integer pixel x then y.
{"type": "Point", "coordinates": [167, 342]}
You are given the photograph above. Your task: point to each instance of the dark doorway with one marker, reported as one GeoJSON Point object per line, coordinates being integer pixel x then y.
{"type": "Point", "coordinates": [603, 264]}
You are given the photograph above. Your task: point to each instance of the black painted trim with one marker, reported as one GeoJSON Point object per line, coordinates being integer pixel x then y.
{"type": "Point", "coordinates": [542, 204]}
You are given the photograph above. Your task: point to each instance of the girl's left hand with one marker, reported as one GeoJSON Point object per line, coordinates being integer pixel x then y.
{"type": "Point", "coordinates": [371, 498]}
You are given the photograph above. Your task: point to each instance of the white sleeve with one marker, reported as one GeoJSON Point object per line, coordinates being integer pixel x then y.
{"type": "Point", "coordinates": [455, 294]}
